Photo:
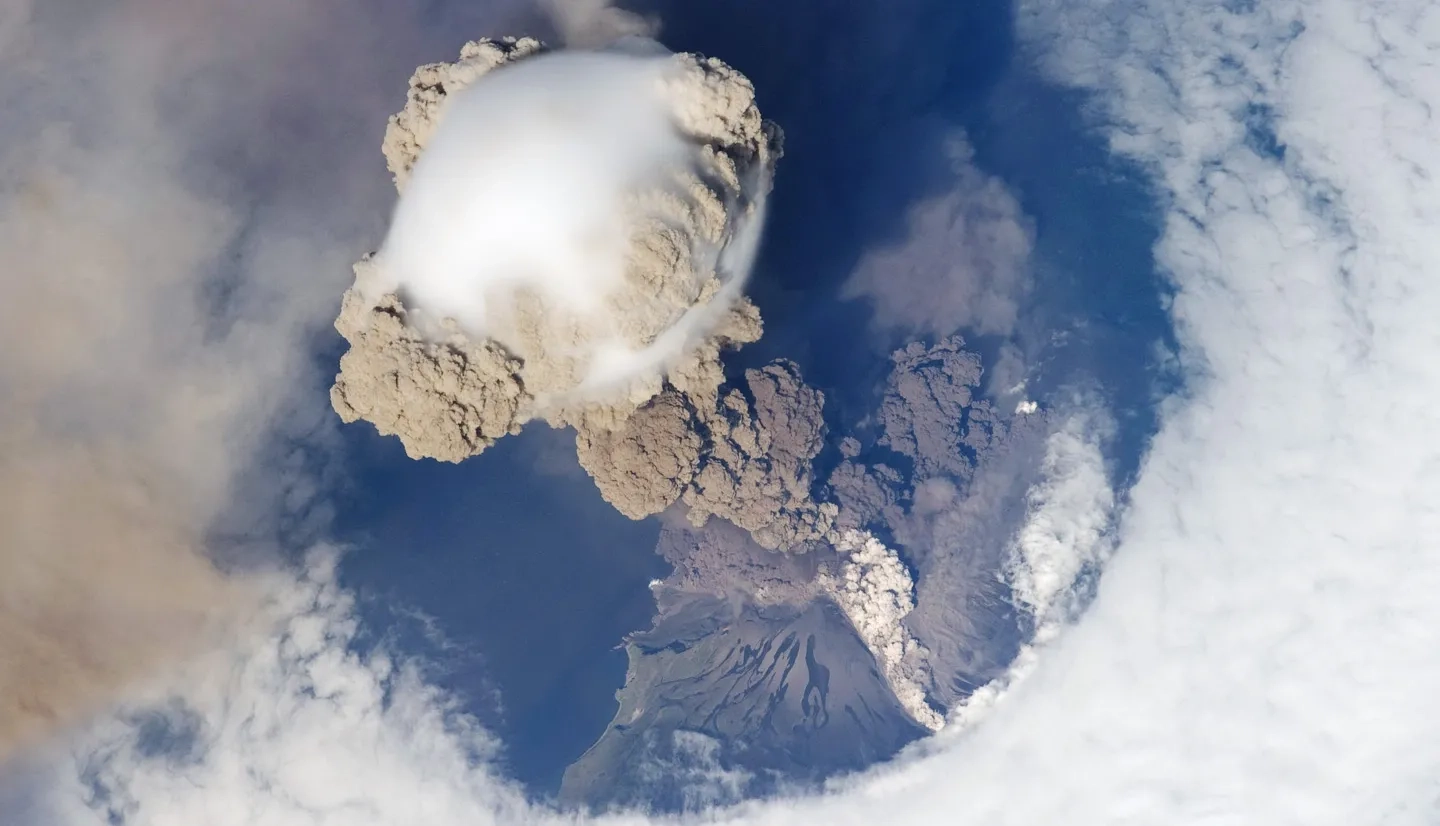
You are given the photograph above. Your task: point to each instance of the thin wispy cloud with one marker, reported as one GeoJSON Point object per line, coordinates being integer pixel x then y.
{"type": "Point", "coordinates": [964, 263]}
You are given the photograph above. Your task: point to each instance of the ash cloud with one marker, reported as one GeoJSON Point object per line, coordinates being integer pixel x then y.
{"type": "Point", "coordinates": [757, 472]}
{"type": "Point", "coordinates": [102, 580]}
{"type": "Point", "coordinates": [944, 477]}
{"type": "Point", "coordinates": [508, 290]}
{"type": "Point", "coordinates": [746, 457]}
{"type": "Point", "coordinates": [932, 424]}
{"type": "Point", "coordinates": [530, 275]}
{"type": "Point", "coordinates": [931, 414]}
{"type": "Point", "coordinates": [585, 267]}
{"type": "Point", "coordinates": [874, 588]}
{"type": "Point", "coordinates": [964, 263]}
{"type": "Point", "coordinates": [584, 24]}
{"type": "Point", "coordinates": [933, 613]}
{"type": "Point", "coordinates": [568, 267]}
{"type": "Point", "coordinates": [644, 466]}
{"type": "Point", "coordinates": [722, 559]}
{"type": "Point", "coordinates": [101, 584]}
{"type": "Point", "coordinates": [168, 430]}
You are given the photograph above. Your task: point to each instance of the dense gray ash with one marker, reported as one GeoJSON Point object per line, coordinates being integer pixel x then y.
{"type": "Point", "coordinates": [758, 470]}
{"type": "Point", "coordinates": [722, 559]}
{"type": "Point", "coordinates": [644, 466]}
{"type": "Point", "coordinates": [930, 412]}
{"type": "Point", "coordinates": [447, 399]}
{"type": "Point", "coordinates": [867, 494]}
{"type": "Point", "coordinates": [742, 457]}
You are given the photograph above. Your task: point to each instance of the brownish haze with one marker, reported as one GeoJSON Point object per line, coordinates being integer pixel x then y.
{"type": "Point", "coordinates": [182, 186]}
{"type": "Point", "coordinates": [110, 446]}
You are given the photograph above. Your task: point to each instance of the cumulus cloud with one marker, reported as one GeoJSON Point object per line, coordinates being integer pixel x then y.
{"type": "Point", "coordinates": [291, 727]}
{"type": "Point", "coordinates": [694, 765]}
{"type": "Point", "coordinates": [1062, 538]}
{"type": "Point", "coordinates": [517, 265]}
{"type": "Point", "coordinates": [964, 263]}
{"type": "Point", "coordinates": [299, 723]}
{"type": "Point", "coordinates": [956, 535]}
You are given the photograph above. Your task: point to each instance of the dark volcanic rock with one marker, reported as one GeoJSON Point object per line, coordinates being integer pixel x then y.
{"type": "Point", "coordinates": [726, 698]}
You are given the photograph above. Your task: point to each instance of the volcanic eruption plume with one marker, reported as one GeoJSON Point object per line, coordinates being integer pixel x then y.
{"type": "Point", "coordinates": [575, 234]}
{"type": "Point", "coordinates": [572, 241]}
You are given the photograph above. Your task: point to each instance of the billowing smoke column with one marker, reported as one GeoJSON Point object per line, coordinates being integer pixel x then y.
{"type": "Point", "coordinates": [744, 459]}
{"type": "Point", "coordinates": [575, 236]}
{"type": "Point", "coordinates": [571, 244]}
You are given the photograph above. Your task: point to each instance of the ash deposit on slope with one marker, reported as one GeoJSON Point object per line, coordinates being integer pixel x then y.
{"type": "Point", "coordinates": [746, 655]}
{"type": "Point", "coordinates": [574, 234]}
{"type": "Point", "coordinates": [748, 459]}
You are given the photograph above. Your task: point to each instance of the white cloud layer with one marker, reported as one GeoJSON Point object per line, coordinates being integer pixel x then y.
{"type": "Point", "coordinates": [1262, 647]}
{"type": "Point", "coordinates": [1066, 530]}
